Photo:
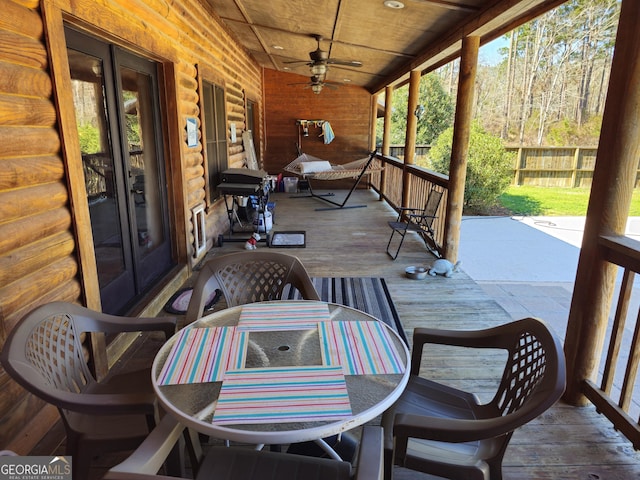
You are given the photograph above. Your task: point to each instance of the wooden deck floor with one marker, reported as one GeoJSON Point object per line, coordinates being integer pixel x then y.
{"type": "Point", "coordinates": [565, 443]}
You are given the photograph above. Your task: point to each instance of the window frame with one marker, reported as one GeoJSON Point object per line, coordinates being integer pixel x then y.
{"type": "Point", "coordinates": [215, 93]}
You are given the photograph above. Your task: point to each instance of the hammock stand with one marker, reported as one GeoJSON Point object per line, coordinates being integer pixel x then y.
{"type": "Point", "coordinates": [356, 169]}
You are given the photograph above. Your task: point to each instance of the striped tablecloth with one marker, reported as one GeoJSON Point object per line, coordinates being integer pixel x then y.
{"type": "Point", "coordinates": [293, 394]}
{"type": "Point", "coordinates": [283, 316]}
{"type": "Point", "coordinates": [203, 355]}
{"type": "Point", "coordinates": [282, 394]}
{"type": "Point", "coordinates": [361, 348]}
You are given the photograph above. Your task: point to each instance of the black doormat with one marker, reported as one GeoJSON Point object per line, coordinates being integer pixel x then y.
{"type": "Point", "coordinates": [288, 239]}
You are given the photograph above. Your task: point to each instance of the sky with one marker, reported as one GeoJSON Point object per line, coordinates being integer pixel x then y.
{"type": "Point", "coordinates": [488, 53]}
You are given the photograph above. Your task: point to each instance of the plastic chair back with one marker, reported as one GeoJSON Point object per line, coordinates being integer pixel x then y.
{"type": "Point", "coordinates": [247, 277]}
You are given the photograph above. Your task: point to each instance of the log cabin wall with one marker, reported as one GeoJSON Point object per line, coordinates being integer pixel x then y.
{"type": "Point", "coordinates": [44, 229]}
{"type": "Point", "coordinates": [346, 108]}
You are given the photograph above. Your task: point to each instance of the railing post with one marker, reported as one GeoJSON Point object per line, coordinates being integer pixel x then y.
{"type": "Point", "coordinates": [460, 147]}
{"type": "Point", "coordinates": [613, 182]}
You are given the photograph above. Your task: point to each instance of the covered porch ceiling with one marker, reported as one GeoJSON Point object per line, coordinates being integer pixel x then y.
{"type": "Point", "coordinates": [387, 41]}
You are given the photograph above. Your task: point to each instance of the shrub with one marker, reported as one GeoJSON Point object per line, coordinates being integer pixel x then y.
{"type": "Point", "coordinates": [489, 167]}
{"type": "Point", "coordinates": [89, 138]}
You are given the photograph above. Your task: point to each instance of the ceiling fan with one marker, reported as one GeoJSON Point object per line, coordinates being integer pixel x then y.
{"type": "Point", "coordinates": [320, 60]}
{"type": "Point", "coordinates": [316, 83]}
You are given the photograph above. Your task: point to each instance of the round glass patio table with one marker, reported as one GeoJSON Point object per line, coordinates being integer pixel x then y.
{"type": "Point", "coordinates": [281, 337]}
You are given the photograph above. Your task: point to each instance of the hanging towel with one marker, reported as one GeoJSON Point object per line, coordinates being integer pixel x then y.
{"type": "Point", "coordinates": [327, 132]}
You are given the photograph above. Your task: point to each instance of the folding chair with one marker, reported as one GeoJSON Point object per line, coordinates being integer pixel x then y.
{"type": "Point", "coordinates": [419, 221]}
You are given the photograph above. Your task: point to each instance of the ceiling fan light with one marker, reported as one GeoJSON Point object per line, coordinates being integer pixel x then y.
{"type": "Point", "coordinates": [316, 88]}
{"type": "Point", "coordinates": [393, 4]}
{"type": "Point", "coordinates": [318, 69]}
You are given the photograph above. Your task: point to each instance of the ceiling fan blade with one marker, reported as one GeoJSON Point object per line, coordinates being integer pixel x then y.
{"type": "Point", "coordinates": [347, 63]}
{"type": "Point", "coordinates": [322, 56]}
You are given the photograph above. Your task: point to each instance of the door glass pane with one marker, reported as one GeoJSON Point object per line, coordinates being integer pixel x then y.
{"type": "Point", "coordinates": [143, 165]}
{"type": "Point", "coordinates": [98, 164]}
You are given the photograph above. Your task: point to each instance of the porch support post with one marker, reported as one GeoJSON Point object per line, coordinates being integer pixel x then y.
{"type": "Point", "coordinates": [614, 179]}
{"type": "Point", "coordinates": [410, 137]}
{"type": "Point", "coordinates": [386, 136]}
{"type": "Point", "coordinates": [460, 147]}
{"type": "Point", "coordinates": [374, 121]}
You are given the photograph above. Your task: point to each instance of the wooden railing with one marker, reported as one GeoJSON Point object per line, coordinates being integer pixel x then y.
{"type": "Point", "coordinates": [389, 185]}
{"type": "Point", "coordinates": [615, 400]}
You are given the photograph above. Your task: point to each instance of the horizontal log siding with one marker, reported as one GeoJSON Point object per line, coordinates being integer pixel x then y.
{"type": "Point", "coordinates": [38, 248]}
{"type": "Point", "coordinates": [36, 241]}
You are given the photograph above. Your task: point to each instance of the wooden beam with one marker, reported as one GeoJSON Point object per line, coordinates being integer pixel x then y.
{"type": "Point", "coordinates": [452, 6]}
{"type": "Point", "coordinates": [70, 149]}
{"type": "Point", "coordinates": [460, 147]}
{"type": "Point", "coordinates": [613, 183]}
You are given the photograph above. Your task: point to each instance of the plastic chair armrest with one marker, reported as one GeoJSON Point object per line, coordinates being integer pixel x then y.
{"type": "Point", "coordinates": [487, 338]}
{"type": "Point", "coordinates": [113, 324]}
{"type": "Point", "coordinates": [370, 455]}
{"type": "Point", "coordinates": [108, 404]}
{"type": "Point", "coordinates": [457, 338]}
{"type": "Point", "coordinates": [439, 429]}
{"type": "Point", "coordinates": [150, 455]}
{"type": "Point", "coordinates": [458, 430]}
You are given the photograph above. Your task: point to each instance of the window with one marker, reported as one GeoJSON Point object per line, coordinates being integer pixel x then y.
{"type": "Point", "coordinates": [215, 121]}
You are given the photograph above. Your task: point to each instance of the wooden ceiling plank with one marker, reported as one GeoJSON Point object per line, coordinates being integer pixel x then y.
{"type": "Point", "coordinates": [390, 43]}
{"type": "Point", "coordinates": [247, 18]}
{"type": "Point", "coordinates": [372, 48]}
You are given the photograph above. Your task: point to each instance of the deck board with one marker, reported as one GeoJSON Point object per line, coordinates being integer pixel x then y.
{"type": "Point", "coordinates": [564, 443]}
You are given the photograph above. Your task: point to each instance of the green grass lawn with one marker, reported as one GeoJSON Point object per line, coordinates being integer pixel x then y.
{"type": "Point", "coordinates": [553, 201]}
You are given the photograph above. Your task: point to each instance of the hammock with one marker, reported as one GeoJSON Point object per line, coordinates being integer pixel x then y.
{"type": "Point", "coordinates": [314, 168]}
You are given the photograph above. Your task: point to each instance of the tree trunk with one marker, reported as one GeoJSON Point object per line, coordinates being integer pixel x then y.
{"type": "Point", "coordinates": [510, 76]}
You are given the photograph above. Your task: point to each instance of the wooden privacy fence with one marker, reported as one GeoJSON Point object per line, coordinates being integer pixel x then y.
{"type": "Point", "coordinates": [568, 167]}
